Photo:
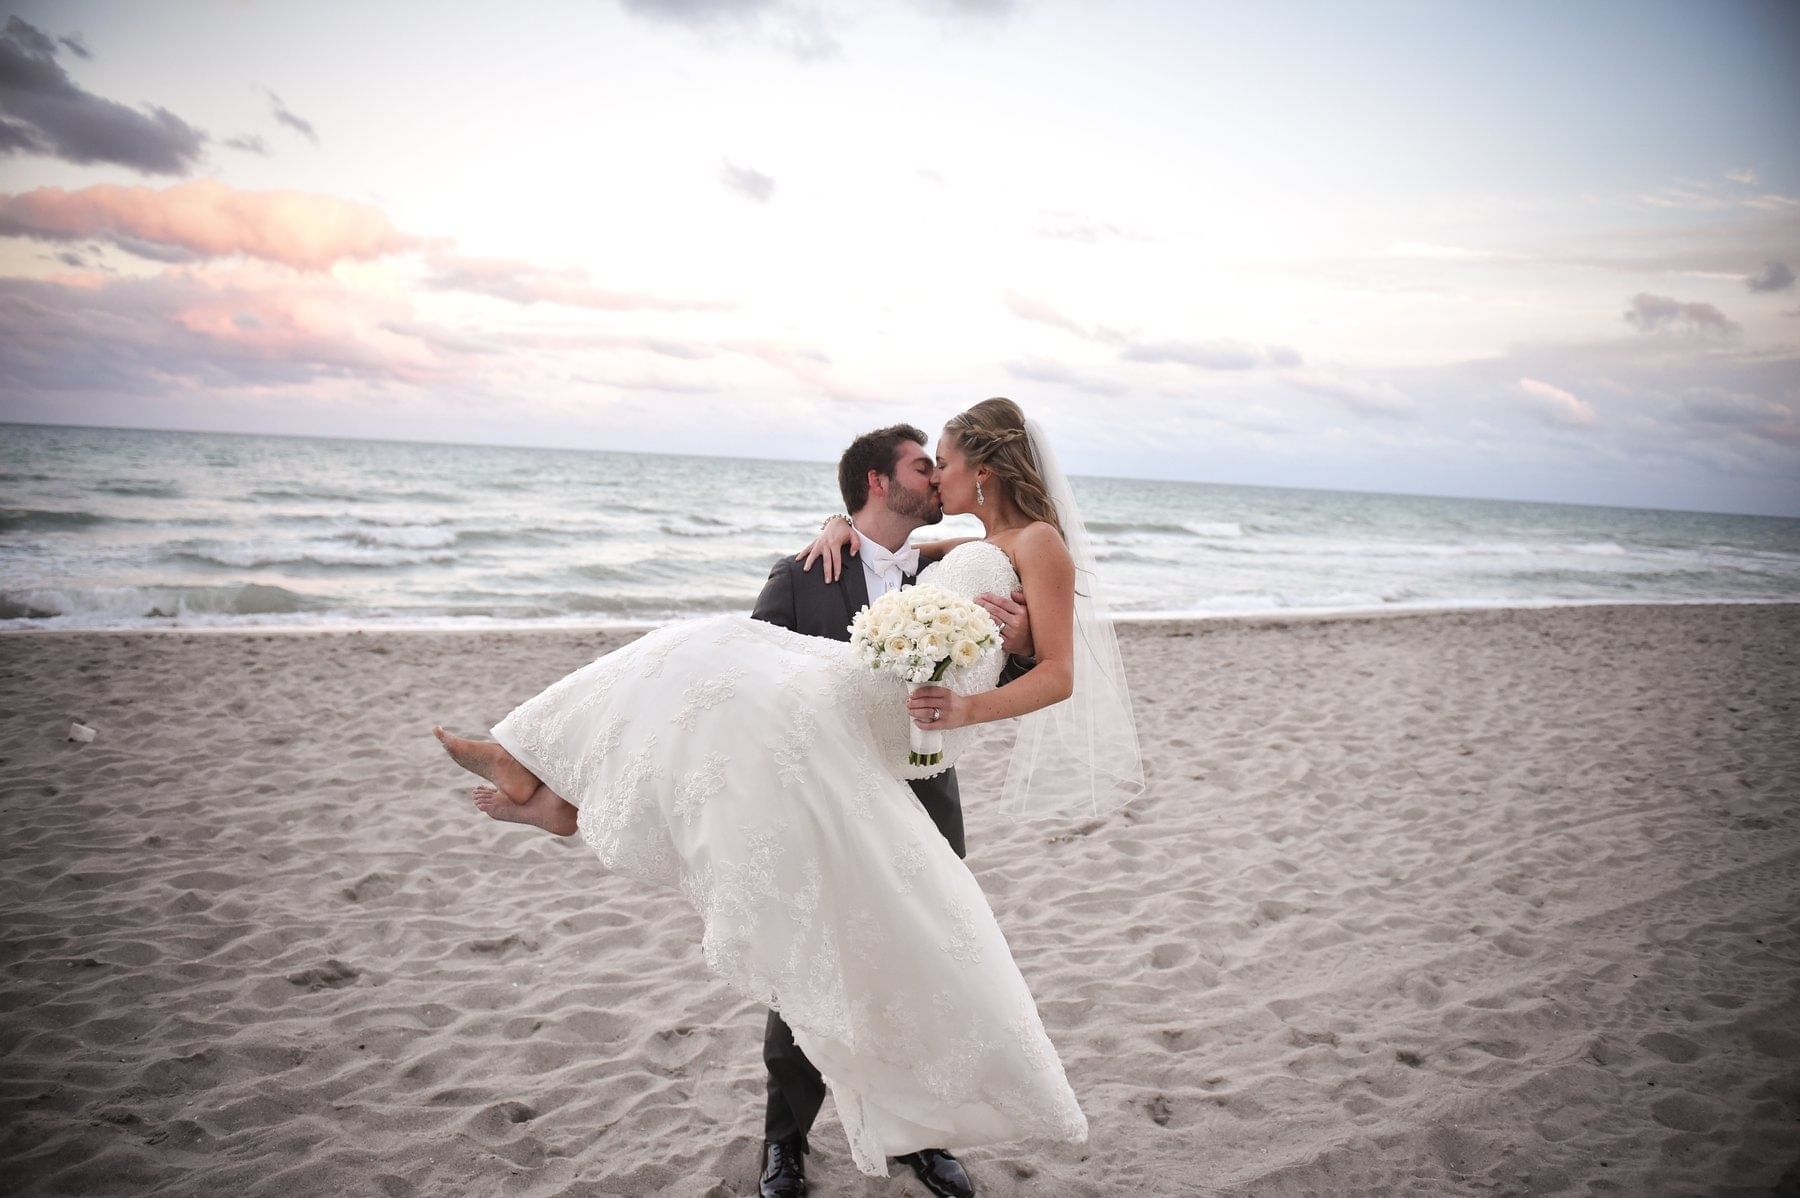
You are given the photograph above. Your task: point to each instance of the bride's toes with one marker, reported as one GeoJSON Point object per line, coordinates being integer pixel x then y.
{"type": "Point", "coordinates": [489, 801]}
{"type": "Point", "coordinates": [485, 759]}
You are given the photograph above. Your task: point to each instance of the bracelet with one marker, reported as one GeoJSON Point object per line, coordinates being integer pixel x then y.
{"type": "Point", "coordinates": [830, 518]}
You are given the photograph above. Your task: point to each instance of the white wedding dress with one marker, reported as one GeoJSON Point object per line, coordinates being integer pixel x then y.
{"type": "Point", "coordinates": [759, 770]}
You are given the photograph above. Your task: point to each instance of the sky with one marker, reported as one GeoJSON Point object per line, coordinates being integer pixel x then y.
{"type": "Point", "coordinates": [1532, 250]}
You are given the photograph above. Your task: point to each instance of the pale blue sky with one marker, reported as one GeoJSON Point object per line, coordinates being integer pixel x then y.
{"type": "Point", "coordinates": [1537, 251]}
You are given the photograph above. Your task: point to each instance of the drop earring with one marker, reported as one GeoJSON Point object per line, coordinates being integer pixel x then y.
{"type": "Point", "coordinates": [980, 499]}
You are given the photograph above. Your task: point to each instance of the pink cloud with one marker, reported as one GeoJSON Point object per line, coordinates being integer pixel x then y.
{"type": "Point", "coordinates": [523, 283]}
{"type": "Point", "coordinates": [207, 219]}
{"type": "Point", "coordinates": [1556, 407]}
{"type": "Point", "coordinates": [251, 325]}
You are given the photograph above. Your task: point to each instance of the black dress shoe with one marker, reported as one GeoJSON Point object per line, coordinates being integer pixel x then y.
{"type": "Point", "coordinates": [940, 1172]}
{"type": "Point", "coordinates": [784, 1170]}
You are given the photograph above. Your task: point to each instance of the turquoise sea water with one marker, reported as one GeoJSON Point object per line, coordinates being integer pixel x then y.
{"type": "Point", "coordinates": [106, 528]}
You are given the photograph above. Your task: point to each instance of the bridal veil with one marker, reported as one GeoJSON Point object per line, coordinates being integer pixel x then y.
{"type": "Point", "coordinates": [1079, 757]}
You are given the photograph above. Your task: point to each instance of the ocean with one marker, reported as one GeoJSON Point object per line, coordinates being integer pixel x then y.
{"type": "Point", "coordinates": [111, 528]}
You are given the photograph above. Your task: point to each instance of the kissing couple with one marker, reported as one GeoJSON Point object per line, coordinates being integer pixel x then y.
{"type": "Point", "coordinates": [764, 769]}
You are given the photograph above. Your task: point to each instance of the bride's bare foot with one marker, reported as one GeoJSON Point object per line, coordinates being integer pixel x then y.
{"type": "Point", "coordinates": [544, 809]}
{"type": "Point", "coordinates": [488, 760]}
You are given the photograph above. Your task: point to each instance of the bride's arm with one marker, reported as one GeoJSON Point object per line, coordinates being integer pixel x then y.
{"type": "Point", "coordinates": [1048, 576]}
{"type": "Point", "coordinates": [931, 551]}
{"type": "Point", "coordinates": [837, 537]}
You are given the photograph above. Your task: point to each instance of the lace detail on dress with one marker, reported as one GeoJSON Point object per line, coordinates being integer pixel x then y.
{"type": "Point", "coordinates": [707, 694]}
{"type": "Point", "coordinates": [694, 789]}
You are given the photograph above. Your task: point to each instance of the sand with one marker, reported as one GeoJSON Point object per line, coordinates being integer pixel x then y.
{"type": "Point", "coordinates": [1453, 903]}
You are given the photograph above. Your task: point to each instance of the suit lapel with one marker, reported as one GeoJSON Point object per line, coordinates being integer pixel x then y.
{"type": "Point", "coordinates": [854, 587]}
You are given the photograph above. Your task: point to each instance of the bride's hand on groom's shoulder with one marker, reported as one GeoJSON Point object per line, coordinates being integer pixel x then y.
{"type": "Point", "coordinates": [939, 709]}
{"type": "Point", "coordinates": [1014, 621]}
{"type": "Point", "coordinates": [829, 547]}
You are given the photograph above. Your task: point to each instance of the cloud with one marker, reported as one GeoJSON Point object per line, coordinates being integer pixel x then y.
{"type": "Point", "coordinates": [203, 329]}
{"type": "Point", "coordinates": [1556, 407]}
{"type": "Point", "coordinates": [1434, 252]}
{"type": "Point", "coordinates": [800, 31]}
{"type": "Point", "coordinates": [1753, 413]}
{"type": "Point", "coordinates": [283, 116]}
{"type": "Point", "coordinates": [1074, 226]}
{"type": "Point", "coordinates": [1039, 370]}
{"type": "Point", "coordinates": [1657, 313]}
{"type": "Point", "coordinates": [993, 10]}
{"type": "Point", "coordinates": [1774, 276]}
{"type": "Point", "coordinates": [207, 219]}
{"type": "Point", "coordinates": [697, 12]}
{"type": "Point", "coordinates": [751, 184]}
{"type": "Point", "coordinates": [1220, 354]}
{"type": "Point", "coordinates": [1364, 396]}
{"type": "Point", "coordinates": [44, 112]}
{"type": "Point", "coordinates": [74, 44]}
{"type": "Point", "coordinates": [1212, 355]}
{"type": "Point", "coordinates": [1026, 308]}
{"type": "Point", "coordinates": [523, 283]}
{"type": "Point", "coordinates": [1710, 195]}
{"type": "Point", "coordinates": [249, 143]}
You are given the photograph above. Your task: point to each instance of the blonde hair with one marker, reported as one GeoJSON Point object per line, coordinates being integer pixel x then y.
{"type": "Point", "coordinates": [992, 434]}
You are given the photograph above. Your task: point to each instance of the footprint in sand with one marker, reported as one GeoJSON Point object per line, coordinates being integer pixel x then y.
{"type": "Point", "coordinates": [1170, 956]}
{"type": "Point", "coordinates": [1670, 1047]}
{"type": "Point", "coordinates": [370, 886]}
{"type": "Point", "coordinates": [1686, 1112]}
{"type": "Point", "coordinates": [329, 976]}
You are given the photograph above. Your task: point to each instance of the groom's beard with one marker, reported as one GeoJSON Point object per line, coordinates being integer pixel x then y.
{"type": "Point", "coordinates": [913, 506]}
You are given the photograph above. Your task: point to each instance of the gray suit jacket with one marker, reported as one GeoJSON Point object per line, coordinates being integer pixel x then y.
{"type": "Point", "coordinates": [801, 600]}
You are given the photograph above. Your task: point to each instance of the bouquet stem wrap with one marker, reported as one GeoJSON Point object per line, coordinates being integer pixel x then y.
{"type": "Point", "coordinates": [927, 744]}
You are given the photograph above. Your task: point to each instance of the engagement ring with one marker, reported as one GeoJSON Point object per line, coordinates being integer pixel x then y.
{"type": "Point", "coordinates": [936, 715]}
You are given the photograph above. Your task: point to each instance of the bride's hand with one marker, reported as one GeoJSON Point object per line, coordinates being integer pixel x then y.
{"type": "Point", "coordinates": [950, 709]}
{"type": "Point", "coordinates": [829, 546]}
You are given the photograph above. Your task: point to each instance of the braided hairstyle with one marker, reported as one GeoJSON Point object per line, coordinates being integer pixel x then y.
{"type": "Point", "coordinates": [992, 434]}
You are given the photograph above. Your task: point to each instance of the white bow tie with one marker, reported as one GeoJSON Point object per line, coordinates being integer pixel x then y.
{"type": "Point", "coordinates": [878, 559]}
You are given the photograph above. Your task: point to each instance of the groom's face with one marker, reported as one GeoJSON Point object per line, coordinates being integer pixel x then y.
{"type": "Point", "coordinates": [913, 491]}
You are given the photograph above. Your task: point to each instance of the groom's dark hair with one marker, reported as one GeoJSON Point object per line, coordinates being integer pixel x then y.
{"type": "Point", "coordinates": [877, 451]}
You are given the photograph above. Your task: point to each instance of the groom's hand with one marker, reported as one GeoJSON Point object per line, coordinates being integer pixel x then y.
{"type": "Point", "coordinates": [1014, 621]}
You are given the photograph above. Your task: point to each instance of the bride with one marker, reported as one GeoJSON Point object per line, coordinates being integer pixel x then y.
{"type": "Point", "coordinates": [760, 772]}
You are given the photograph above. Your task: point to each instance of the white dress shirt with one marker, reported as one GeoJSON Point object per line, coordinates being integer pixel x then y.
{"type": "Point", "coordinates": [882, 570]}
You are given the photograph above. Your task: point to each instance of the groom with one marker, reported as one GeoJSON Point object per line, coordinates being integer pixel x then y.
{"type": "Point", "coordinates": [889, 484]}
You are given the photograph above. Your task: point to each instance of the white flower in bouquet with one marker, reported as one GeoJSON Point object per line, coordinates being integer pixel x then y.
{"type": "Point", "coordinates": [918, 634]}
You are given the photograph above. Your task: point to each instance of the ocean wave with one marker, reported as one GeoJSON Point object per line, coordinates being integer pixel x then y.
{"type": "Point", "coordinates": [526, 536]}
{"type": "Point", "coordinates": [252, 557]}
{"type": "Point", "coordinates": [401, 536]}
{"type": "Point", "coordinates": [1315, 547]}
{"type": "Point", "coordinates": [311, 495]}
{"type": "Point", "coordinates": [708, 528]}
{"type": "Point", "coordinates": [1188, 528]}
{"type": "Point", "coordinates": [14, 519]}
{"type": "Point", "coordinates": [142, 490]}
{"type": "Point", "coordinates": [1132, 555]}
{"type": "Point", "coordinates": [101, 607]}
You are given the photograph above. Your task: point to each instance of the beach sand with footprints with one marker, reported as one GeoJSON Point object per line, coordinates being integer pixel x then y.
{"type": "Point", "coordinates": [1477, 902]}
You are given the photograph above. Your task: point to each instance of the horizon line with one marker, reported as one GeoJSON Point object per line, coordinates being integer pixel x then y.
{"type": "Point", "coordinates": [218, 432]}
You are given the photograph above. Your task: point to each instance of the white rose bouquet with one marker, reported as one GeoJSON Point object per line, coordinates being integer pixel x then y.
{"type": "Point", "coordinates": [917, 634]}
